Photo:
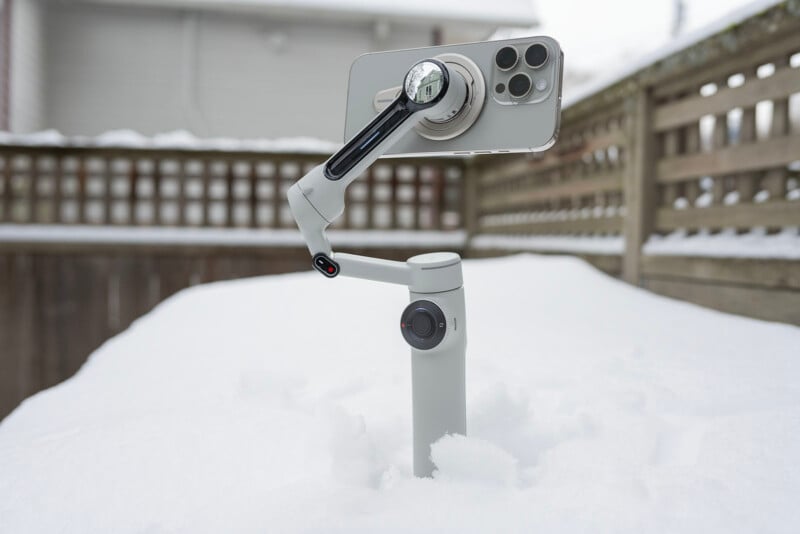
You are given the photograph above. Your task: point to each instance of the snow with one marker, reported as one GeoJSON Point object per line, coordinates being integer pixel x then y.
{"type": "Point", "coordinates": [226, 237]}
{"type": "Point", "coordinates": [727, 244]}
{"type": "Point", "coordinates": [179, 139]}
{"type": "Point", "coordinates": [606, 245]}
{"type": "Point", "coordinates": [593, 406]}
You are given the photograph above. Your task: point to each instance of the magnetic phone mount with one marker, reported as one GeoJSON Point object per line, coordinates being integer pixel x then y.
{"type": "Point", "coordinates": [439, 130]}
{"type": "Point", "coordinates": [430, 90]}
{"type": "Point", "coordinates": [449, 128]}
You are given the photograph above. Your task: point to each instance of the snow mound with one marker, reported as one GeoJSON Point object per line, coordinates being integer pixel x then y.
{"type": "Point", "coordinates": [282, 404]}
{"type": "Point", "coordinates": [473, 460]}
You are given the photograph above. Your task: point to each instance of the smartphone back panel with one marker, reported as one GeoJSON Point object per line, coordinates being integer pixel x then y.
{"type": "Point", "coordinates": [505, 124]}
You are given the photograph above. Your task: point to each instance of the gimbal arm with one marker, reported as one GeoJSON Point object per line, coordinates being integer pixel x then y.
{"type": "Point", "coordinates": [430, 90]}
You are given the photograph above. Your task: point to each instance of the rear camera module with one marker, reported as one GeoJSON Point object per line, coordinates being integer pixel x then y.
{"type": "Point", "coordinates": [536, 55]}
{"type": "Point", "coordinates": [519, 85]}
{"type": "Point", "coordinates": [506, 58]}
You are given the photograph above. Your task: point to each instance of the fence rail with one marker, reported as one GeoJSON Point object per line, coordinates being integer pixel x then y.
{"type": "Point", "coordinates": [190, 188]}
{"type": "Point", "coordinates": [702, 142]}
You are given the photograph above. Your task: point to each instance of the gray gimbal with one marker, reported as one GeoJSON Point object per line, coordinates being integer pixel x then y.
{"type": "Point", "coordinates": [434, 324]}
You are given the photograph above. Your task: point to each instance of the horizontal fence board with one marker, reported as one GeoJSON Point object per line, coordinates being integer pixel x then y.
{"type": "Point", "coordinates": [194, 188]}
{"type": "Point", "coordinates": [510, 200]}
{"type": "Point", "coordinates": [598, 109]}
{"type": "Point", "coordinates": [768, 273]}
{"type": "Point", "coordinates": [498, 174]}
{"type": "Point", "coordinates": [773, 46]}
{"type": "Point", "coordinates": [604, 225]}
{"type": "Point", "coordinates": [782, 84]}
{"type": "Point", "coordinates": [765, 154]}
{"type": "Point", "coordinates": [560, 156]}
{"type": "Point", "coordinates": [768, 304]}
{"type": "Point", "coordinates": [743, 215]}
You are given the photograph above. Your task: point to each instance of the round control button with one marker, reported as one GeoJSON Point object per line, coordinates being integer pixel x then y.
{"type": "Point", "coordinates": [423, 324]}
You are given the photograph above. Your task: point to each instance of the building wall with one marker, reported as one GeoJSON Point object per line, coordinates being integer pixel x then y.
{"type": "Point", "coordinates": [214, 74]}
{"type": "Point", "coordinates": [27, 87]}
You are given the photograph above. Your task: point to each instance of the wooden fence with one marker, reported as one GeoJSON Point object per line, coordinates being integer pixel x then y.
{"type": "Point", "coordinates": [704, 141]}
{"type": "Point", "coordinates": [188, 188]}
{"type": "Point", "coordinates": [93, 238]}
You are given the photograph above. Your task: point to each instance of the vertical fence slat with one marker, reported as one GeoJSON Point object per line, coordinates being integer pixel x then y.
{"type": "Point", "coordinates": [58, 189]}
{"type": "Point", "coordinates": [393, 184]}
{"type": "Point", "coordinates": [107, 180]}
{"type": "Point", "coordinates": [438, 197]}
{"type": "Point", "coordinates": [774, 181]}
{"type": "Point", "coordinates": [81, 195]}
{"type": "Point", "coordinates": [183, 187]}
{"type": "Point", "coordinates": [746, 182]}
{"type": "Point", "coordinates": [469, 184]}
{"type": "Point", "coordinates": [8, 191]}
{"type": "Point", "coordinates": [253, 200]}
{"type": "Point", "coordinates": [33, 190]}
{"type": "Point", "coordinates": [417, 197]}
{"type": "Point", "coordinates": [370, 179]}
{"type": "Point", "coordinates": [229, 186]}
{"type": "Point", "coordinates": [639, 184]}
{"type": "Point", "coordinates": [133, 185]}
{"type": "Point", "coordinates": [205, 199]}
{"type": "Point", "coordinates": [277, 194]}
{"type": "Point", "coordinates": [156, 199]}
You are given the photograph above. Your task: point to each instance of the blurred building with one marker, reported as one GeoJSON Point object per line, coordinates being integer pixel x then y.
{"type": "Point", "coordinates": [241, 68]}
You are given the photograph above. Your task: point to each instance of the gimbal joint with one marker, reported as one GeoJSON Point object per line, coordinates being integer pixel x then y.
{"type": "Point", "coordinates": [325, 265]}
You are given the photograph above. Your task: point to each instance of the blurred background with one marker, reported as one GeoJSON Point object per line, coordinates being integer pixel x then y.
{"type": "Point", "coordinates": [263, 68]}
{"type": "Point", "coordinates": [147, 146]}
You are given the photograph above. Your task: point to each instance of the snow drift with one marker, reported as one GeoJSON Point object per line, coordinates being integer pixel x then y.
{"type": "Point", "coordinates": [282, 404]}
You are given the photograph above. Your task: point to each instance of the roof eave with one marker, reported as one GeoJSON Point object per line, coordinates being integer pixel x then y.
{"type": "Point", "coordinates": [444, 18]}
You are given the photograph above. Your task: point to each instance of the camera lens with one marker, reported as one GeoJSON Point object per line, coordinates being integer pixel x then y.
{"type": "Point", "coordinates": [506, 58]}
{"type": "Point", "coordinates": [536, 55]}
{"type": "Point", "coordinates": [519, 85]}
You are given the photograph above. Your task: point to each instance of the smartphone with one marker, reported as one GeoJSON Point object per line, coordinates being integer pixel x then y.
{"type": "Point", "coordinates": [513, 105]}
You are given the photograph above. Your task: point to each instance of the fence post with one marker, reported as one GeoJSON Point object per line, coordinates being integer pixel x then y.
{"type": "Point", "coordinates": [639, 183]}
{"type": "Point", "coordinates": [469, 210]}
